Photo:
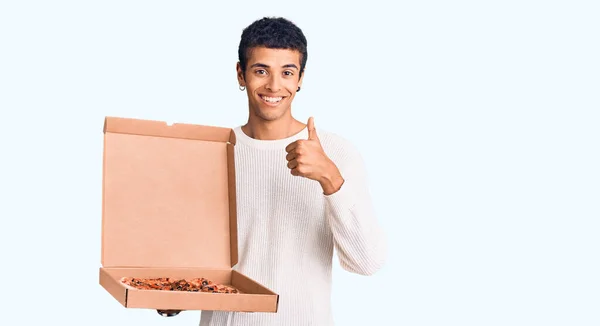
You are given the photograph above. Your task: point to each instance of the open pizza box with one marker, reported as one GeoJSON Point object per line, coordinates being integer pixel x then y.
{"type": "Point", "coordinates": [169, 211]}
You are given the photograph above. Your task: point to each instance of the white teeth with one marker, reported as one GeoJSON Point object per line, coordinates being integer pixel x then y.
{"type": "Point", "coordinates": [272, 99]}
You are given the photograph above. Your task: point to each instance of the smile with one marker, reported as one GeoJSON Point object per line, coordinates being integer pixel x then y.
{"type": "Point", "coordinates": [271, 100]}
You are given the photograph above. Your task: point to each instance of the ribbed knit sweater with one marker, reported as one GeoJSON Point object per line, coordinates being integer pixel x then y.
{"type": "Point", "coordinates": [288, 230]}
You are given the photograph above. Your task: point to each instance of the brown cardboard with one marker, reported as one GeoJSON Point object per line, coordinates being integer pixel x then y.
{"type": "Point", "coordinates": [169, 210]}
{"type": "Point", "coordinates": [254, 297]}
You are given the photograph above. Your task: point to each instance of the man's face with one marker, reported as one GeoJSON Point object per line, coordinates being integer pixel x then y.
{"type": "Point", "coordinates": [271, 81]}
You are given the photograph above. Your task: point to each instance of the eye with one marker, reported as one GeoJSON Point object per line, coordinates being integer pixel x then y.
{"type": "Point", "coordinates": [261, 72]}
{"type": "Point", "coordinates": [288, 73]}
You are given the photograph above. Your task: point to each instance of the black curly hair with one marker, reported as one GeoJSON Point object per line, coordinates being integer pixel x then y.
{"type": "Point", "coordinates": [273, 33]}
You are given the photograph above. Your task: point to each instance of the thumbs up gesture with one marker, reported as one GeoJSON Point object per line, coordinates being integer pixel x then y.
{"type": "Point", "coordinates": [312, 133]}
{"type": "Point", "coordinates": [306, 158]}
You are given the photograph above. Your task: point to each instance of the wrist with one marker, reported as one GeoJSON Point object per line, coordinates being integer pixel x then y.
{"type": "Point", "coordinates": [331, 181]}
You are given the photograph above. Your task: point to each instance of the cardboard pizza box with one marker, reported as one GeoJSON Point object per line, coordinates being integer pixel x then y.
{"type": "Point", "coordinates": [169, 210]}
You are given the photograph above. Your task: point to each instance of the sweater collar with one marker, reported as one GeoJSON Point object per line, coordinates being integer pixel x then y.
{"type": "Point", "coordinates": [268, 144]}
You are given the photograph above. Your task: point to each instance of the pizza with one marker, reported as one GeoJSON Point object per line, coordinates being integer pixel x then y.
{"type": "Point", "coordinates": [175, 284]}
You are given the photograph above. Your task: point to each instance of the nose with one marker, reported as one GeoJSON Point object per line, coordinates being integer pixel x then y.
{"type": "Point", "coordinates": [273, 84]}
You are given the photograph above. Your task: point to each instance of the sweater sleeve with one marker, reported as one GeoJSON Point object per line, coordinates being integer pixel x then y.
{"type": "Point", "coordinates": [358, 238]}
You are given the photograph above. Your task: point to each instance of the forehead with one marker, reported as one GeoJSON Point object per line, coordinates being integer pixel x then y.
{"type": "Point", "coordinates": [274, 57]}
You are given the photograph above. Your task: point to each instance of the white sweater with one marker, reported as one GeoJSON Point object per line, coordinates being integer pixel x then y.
{"type": "Point", "coordinates": [288, 229]}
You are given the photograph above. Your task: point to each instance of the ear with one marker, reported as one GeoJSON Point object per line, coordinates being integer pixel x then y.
{"type": "Point", "coordinates": [301, 78]}
{"type": "Point", "coordinates": [240, 74]}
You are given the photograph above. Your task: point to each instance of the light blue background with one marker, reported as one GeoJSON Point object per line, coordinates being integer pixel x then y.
{"type": "Point", "coordinates": [478, 121]}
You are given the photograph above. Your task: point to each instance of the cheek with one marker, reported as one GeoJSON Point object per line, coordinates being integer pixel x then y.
{"type": "Point", "coordinates": [256, 84]}
{"type": "Point", "coordinates": [251, 81]}
{"type": "Point", "coordinates": [291, 85]}
{"type": "Point", "coordinates": [291, 81]}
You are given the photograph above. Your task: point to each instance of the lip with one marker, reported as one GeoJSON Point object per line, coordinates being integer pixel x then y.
{"type": "Point", "coordinates": [270, 103]}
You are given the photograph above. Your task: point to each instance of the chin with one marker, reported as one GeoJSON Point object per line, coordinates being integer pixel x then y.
{"type": "Point", "coordinates": [268, 116]}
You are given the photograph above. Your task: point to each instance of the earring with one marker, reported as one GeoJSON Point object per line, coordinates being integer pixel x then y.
{"type": "Point", "coordinates": [242, 88]}
{"type": "Point", "coordinates": [298, 89]}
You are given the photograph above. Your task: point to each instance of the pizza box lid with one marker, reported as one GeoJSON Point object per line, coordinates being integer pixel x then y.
{"type": "Point", "coordinates": [168, 195]}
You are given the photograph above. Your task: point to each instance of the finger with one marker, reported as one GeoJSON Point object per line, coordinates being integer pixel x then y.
{"type": "Point", "coordinates": [291, 146]}
{"type": "Point", "coordinates": [312, 132]}
{"type": "Point", "coordinates": [292, 164]}
{"type": "Point", "coordinates": [290, 156]}
{"type": "Point", "coordinates": [295, 172]}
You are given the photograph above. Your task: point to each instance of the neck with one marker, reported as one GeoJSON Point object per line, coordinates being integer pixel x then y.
{"type": "Point", "coordinates": [272, 130]}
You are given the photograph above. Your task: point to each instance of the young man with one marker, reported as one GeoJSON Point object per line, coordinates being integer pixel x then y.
{"type": "Point", "coordinates": [301, 191]}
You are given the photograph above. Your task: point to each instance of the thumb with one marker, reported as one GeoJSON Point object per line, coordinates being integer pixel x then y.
{"type": "Point", "coordinates": [312, 132]}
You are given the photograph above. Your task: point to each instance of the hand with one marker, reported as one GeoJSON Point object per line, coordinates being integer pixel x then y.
{"type": "Point", "coordinates": [306, 158]}
{"type": "Point", "coordinates": [168, 313]}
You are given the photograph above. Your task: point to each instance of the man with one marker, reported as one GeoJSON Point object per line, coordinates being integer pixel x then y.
{"type": "Point", "coordinates": [301, 191]}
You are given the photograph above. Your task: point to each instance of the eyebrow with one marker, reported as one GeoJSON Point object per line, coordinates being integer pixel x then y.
{"type": "Point", "coordinates": [262, 65]}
